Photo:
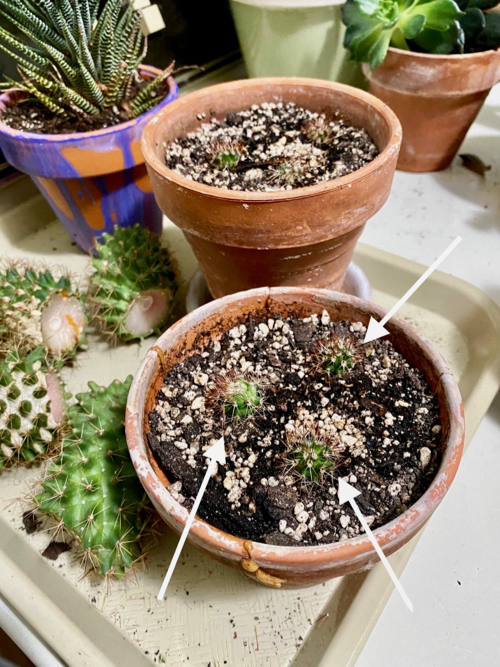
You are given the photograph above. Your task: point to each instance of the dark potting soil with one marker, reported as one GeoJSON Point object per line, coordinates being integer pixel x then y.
{"type": "Point", "coordinates": [32, 116]}
{"type": "Point", "coordinates": [379, 419]}
{"type": "Point", "coordinates": [270, 147]}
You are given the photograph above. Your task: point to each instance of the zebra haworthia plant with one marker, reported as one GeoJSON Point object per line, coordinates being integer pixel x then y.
{"type": "Point", "coordinates": [78, 59]}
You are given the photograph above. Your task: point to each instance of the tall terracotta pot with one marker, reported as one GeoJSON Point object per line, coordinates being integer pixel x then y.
{"type": "Point", "coordinates": [288, 567]}
{"type": "Point", "coordinates": [436, 98]}
{"type": "Point", "coordinates": [298, 237]}
{"type": "Point", "coordinates": [92, 180]}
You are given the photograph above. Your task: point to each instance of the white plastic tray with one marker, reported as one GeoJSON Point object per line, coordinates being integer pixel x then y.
{"type": "Point", "coordinates": [213, 615]}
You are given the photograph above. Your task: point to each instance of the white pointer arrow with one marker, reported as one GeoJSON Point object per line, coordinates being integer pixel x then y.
{"type": "Point", "coordinates": [376, 329]}
{"type": "Point", "coordinates": [348, 493]}
{"type": "Point", "coordinates": [216, 454]}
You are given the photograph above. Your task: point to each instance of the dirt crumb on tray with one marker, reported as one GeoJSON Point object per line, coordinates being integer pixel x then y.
{"type": "Point", "coordinates": [270, 147]}
{"type": "Point", "coordinates": [300, 402]}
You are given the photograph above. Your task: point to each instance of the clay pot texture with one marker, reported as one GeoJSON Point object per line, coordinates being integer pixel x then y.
{"type": "Point", "coordinates": [92, 180]}
{"type": "Point", "coordinates": [305, 236]}
{"type": "Point", "coordinates": [288, 567]}
{"type": "Point", "coordinates": [436, 98]}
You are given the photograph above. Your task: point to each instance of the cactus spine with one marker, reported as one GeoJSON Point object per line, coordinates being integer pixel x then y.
{"type": "Point", "coordinates": [134, 283]}
{"type": "Point", "coordinates": [92, 490]}
{"type": "Point", "coordinates": [37, 309]}
{"type": "Point", "coordinates": [30, 408]}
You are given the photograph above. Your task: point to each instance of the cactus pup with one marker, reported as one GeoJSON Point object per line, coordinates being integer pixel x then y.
{"type": "Point", "coordinates": [132, 289]}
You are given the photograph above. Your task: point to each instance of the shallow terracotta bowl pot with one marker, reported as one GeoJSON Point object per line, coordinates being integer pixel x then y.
{"type": "Point", "coordinates": [288, 567]}
{"type": "Point", "coordinates": [305, 236]}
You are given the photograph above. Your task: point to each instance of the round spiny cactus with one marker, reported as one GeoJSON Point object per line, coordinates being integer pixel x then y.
{"type": "Point", "coordinates": [318, 130]}
{"type": "Point", "coordinates": [237, 395]}
{"type": "Point", "coordinates": [311, 458]}
{"type": "Point", "coordinates": [225, 153]}
{"type": "Point", "coordinates": [31, 408]}
{"type": "Point", "coordinates": [288, 171]}
{"type": "Point", "coordinates": [37, 309]}
{"type": "Point", "coordinates": [337, 355]}
{"type": "Point", "coordinates": [92, 490]}
{"type": "Point", "coordinates": [133, 287]}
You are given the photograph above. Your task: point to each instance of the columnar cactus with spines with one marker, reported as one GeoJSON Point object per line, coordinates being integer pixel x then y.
{"type": "Point", "coordinates": [37, 309]}
{"type": "Point", "coordinates": [133, 287]}
{"type": "Point", "coordinates": [31, 408]}
{"type": "Point", "coordinates": [92, 490]}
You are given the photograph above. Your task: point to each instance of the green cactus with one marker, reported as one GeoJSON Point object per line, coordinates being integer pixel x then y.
{"type": "Point", "coordinates": [225, 153]}
{"type": "Point", "coordinates": [318, 130]}
{"type": "Point", "coordinates": [134, 283]}
{"type": "Point", "coordinates": [236, 395]}
{"type": "Point", "coordinates": [31, 406]}
{"type": "Point", "coordinates": [311, 458]}
{"type": "Point", "coordinates": [37, 309]}
{"type": "Point", "coordinates": [92, 490]}
{"type": "Point", "coordinates": [288, 171]}
{"type": "Point", "coordinates": [337, 355]}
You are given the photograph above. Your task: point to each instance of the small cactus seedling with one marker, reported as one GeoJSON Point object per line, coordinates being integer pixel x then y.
{"type": "Point", "coordinates": [31, 408]}
{"type": "Point", "coordinates": [133, 287]}
{"type": "Point", "coordinates": [310, 457]}
{"type": "Point", "coordinates": [337, 355]}
{"type": "Point", "coordinates": [237, 395]}
{"type": "Point", "coordinates": [318, 130]}
{"type": "Point", "coordinates": [36, 309]}
{"type": "Point", "coordinates": [225, 153]}
{"type": "Point", "coordinates": [91, 490]}
{"type": "Point", "coordinates": [288, 171]}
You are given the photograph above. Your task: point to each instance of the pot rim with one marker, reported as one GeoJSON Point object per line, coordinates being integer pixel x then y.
{"type": "Point", "coordinates": [442, 56]}
{"type": "Point", "coordinates": [37, 137]}
{"type": "Point", "coordinates": [152, 160]}
{"type": "Point", "coordinates": [352, 549]}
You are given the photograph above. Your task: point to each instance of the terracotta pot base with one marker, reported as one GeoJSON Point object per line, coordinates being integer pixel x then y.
{"type": "Point", "coordinates": [355, 283]}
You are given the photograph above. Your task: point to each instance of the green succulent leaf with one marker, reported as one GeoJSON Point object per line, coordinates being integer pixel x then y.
{"type": "Point", "coordinates": [374, 25]}
{"type": "Point", "coordinates": [441, 43]}
{"type": "Point", "coordinates": [472, 23]}
{"type": "Point", "coordinates": [489, 38]}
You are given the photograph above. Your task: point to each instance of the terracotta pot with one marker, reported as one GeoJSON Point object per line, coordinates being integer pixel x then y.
{"type": "Point", "coordinates": [92, 180]}
{"type": "Point", "coordinates": [289, 567]}
{"type": "Point", "coordinates": [436, 98]}
{"type": "Point", "coordinates": [253, 239]}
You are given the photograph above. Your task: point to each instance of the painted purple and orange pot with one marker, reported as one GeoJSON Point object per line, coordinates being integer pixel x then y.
{"type": "Point", "coordinates": [92, 180]}
{"type": "Point", "coordinates": [284, 566]}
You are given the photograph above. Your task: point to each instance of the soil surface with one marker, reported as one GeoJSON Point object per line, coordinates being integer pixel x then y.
{"type": "Point", "coordinates": [377, 425]}
{"type": "Point", "coordinates": [270, 147]}
{"type": "Point", "coordinates": [32, 116]}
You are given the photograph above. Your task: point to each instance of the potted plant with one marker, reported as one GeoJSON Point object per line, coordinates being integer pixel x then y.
{"type": "Point", "coordinates": [74, 120]}
{"type": "Point", "coordinates": [433, 63]}
{"type": "Point", "coordinates": [288, 232]}
{"type": "Point", "coordinates": [283, 375]}
{"type": "Point", "coordinates": [294, 38]}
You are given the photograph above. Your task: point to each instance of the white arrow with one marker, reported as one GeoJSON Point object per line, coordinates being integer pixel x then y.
{"type": "Point", "coordinates": [216, 454]}
{"type": "Point", "coordinates": [348, 493]}
{"type": "Point", "coordinates": [376, 329]}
